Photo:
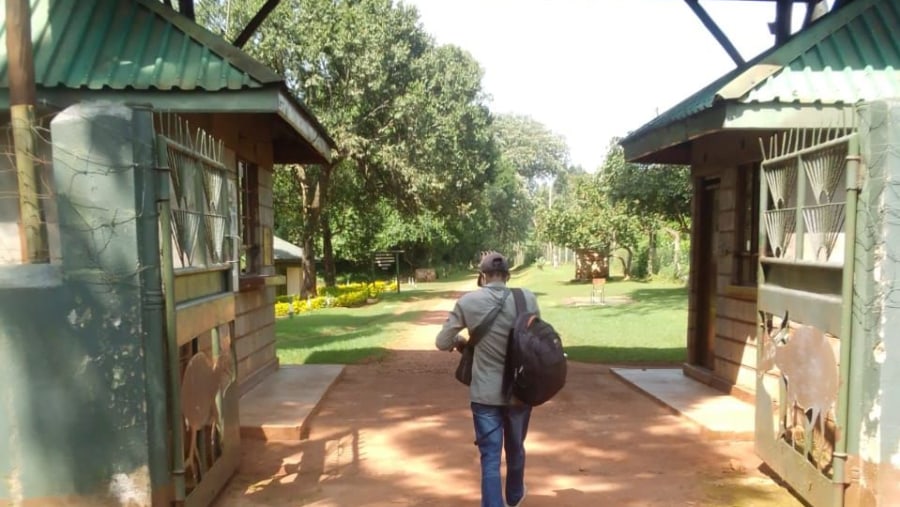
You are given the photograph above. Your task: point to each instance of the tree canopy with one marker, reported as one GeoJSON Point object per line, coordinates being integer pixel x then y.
{"type": "Point", "coordinates": [663, 191]}
{"type": "Point", "coordinates": [421, 164]}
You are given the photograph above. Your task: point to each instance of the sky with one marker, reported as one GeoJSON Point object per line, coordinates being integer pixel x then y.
{"type": "Point", "coordinates": [590, 70]}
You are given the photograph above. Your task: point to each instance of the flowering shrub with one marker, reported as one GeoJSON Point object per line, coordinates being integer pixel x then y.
{"type": "Point", "coordinates": [344, 296]}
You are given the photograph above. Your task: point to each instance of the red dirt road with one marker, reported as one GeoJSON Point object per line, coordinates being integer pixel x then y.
{"type": "Point", "coordinates": [399, 433]}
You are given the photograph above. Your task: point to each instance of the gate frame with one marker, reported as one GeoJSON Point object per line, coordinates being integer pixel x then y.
{"type": "Point", "coordinates": [794, 468]}
{"type": "Point", "coordinates": [186, 320]}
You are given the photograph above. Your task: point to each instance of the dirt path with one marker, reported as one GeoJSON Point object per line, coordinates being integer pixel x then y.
{"type": "Point", "coordinates": [399, 433]}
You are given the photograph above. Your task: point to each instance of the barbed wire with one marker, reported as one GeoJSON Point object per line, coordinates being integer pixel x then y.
{"type": "Point", "coordinates": [57, 170]}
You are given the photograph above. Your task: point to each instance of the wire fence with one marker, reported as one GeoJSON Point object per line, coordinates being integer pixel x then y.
{"type": "Point", "coordinates": [38, 161]}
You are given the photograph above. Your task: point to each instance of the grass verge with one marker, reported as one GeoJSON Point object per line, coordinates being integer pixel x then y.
{"type": "Point", "coordinates": [641, 322]}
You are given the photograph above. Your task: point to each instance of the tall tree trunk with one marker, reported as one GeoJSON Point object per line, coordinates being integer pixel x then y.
{"type": "Point", "coordinates": [676, 254]}
{"type": "Point", "coordinates": [312, 182]}
{"type": "Point", "coordinates": [327, 249]}
{"type": "Point", "coordinates": [676, 249]}
{"type": "Point", "coordinates": [626, 262]}
{"type": "Point", "coordinates": [309, 264]}
{"type": "Point", "coordinates": [308, 235]}
{"type": "Point", "coordinates": [328, 264]}
{"type": "Point", "coordinates": [651, 252]}
{"type": "Point", "coordinates": [629, 263]}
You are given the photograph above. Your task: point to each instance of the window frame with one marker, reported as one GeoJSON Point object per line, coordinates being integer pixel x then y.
{"type": "Point", "coordinates": [745, 265]}
{"type": "Point", "coordinates": [249, 261]}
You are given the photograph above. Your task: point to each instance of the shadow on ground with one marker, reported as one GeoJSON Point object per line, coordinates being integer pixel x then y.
{"type": "Point", "coordinates": [399, 432]}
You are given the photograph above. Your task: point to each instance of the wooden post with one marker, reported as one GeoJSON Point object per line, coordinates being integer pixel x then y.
{"type": "Point", "coordinates": [21, 99]}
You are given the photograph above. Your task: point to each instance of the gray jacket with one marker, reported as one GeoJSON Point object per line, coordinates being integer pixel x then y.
{"type": "Point", "coordinates": [490, 352]}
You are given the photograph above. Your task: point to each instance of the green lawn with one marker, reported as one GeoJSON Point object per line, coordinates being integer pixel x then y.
{"type": "Point", "coordinates": [651, 327]}
{"type": "Point", "coordinates": [349, 335]}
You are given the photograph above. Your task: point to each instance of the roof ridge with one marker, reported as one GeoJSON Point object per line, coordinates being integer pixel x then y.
{"type": "Point", "coordinates": [741, 82]}
{"type": "Point", "coordinates": [762, 67]}
{"type": "Point", "coordinates": [231, 53]}
{"type": "Point", "coordinates": [140, 44]}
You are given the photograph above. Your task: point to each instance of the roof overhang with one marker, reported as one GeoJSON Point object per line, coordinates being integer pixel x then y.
{"type": "Point", "coordinates": [285, 251]}
{"type": "Point", "coordinates": [671, 143]}
{"type": "Point", "coordinates": [297, 136]}
{"type": "Point", "coordinates": [813, 79]}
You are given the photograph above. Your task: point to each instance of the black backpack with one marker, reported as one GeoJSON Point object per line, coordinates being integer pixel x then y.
{"type": "Point", "coordinates": [535, 362]}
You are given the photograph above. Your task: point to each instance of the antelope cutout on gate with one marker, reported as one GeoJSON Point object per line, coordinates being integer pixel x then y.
{"type": "Point", "coordinates": [200, 384]}
{"type": "Point", "coordinates": [808, 368]}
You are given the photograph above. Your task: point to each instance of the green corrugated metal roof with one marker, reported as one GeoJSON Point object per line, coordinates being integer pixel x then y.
{"type": "Point", "coordinates": [848, 56]}
{"type": "Point", "coordinates": [137, 44]}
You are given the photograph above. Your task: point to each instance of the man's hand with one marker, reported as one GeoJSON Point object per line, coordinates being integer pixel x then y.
{"type": "Point", "coordinates": [460, 344]}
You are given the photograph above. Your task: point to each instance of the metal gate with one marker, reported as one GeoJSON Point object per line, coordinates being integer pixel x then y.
{"type": "Point", "coordinates": [807, 229]}
{"type": "Point", "coordinates": [198, 229]}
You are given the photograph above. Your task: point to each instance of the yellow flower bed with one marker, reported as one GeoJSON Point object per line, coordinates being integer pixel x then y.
{"type": "Point", "coordinates": [343, 296]}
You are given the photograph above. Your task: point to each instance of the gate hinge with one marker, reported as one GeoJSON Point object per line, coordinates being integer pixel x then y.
{"type": "Point", "coordinates": [854, 173]}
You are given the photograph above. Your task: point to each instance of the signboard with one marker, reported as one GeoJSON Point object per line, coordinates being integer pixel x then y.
{"type": "Point", "coordinates": [384, 261]}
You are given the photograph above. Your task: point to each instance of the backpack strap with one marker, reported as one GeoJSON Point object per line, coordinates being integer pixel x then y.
{"type": "Point", "coordinates": [519, 296]}
{"type": "Point", "coordinates": [508, 373]}
{"type": "Point", "coordinates": [482, 328]}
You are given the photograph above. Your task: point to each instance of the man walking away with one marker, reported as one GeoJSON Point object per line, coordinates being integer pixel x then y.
{"type": "Point", "coordinates": [500, 423]}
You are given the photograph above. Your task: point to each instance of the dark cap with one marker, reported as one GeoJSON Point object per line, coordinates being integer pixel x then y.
{"type": "Point", "coordinates": [494, 262]}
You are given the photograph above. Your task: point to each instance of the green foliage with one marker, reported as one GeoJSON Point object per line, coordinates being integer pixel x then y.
{"type": "Point", "coordinates": [535, 152]}
{"type": "Point", "coordinates": [585, 218]}
{"type": "Point", "coordinates": [661, 196]}
{"type": "Point", "coordinates": [661, 191]}
{"type": "Point", "coordinates": [420, 164]}
{"type": "Point", "coordinates": [414, 138]}
{"type": "Point", "coordinates": [640, 267]}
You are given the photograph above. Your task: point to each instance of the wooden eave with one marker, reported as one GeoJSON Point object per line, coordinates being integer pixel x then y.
{"type": "Point", "coordinates": [671, 144]}
{"type": "Point", "coordinates": [298, 138]}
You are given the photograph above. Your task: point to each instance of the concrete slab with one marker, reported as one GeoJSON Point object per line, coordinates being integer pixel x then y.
{"type": "Point", "coordinates": [280, 407]}
{"type": "Point", "coordinates": [719, 415]}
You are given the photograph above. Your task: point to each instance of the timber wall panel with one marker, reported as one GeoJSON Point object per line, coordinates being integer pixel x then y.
{"type": "Point", "coordinates": [254, 320]}
{"type": "Point", "coordinates": [744, 376]}
{"type": "Point", "coordinates": [255, 325]}
{"type": "Point", "coordinates": [720, 155]}
{"type": "Point", "coordinates": [736, 351]}
{"type": "Point", "coordinates": [255, 332]}
{"type": "Point", "coordinates": [260, 359]}
{"type": "Point", "coordinates": [254, 342]}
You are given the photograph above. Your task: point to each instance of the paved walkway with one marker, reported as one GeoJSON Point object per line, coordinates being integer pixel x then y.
{"type": "Point", "coordinates": [281, 407]}
{"type": "Point", "coordinates": [398, 432]}
{"type": "Point", "coordinates": [719, 415]}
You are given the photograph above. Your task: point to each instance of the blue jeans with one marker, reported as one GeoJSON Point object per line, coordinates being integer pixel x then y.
{"type": "Point", "coordinates": [496, 428]}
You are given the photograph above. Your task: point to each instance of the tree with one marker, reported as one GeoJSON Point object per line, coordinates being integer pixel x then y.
{"type": "Point", "coordinates": [587, 219]}
{"type": "Point", "coordinates": [536, 155]}
{"type": "Point", "coordinates": [535, 152]}
{"type": "Point", "coordinates": [407, 117]}
{"type": "Point", "coordinates": [661, 194]}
